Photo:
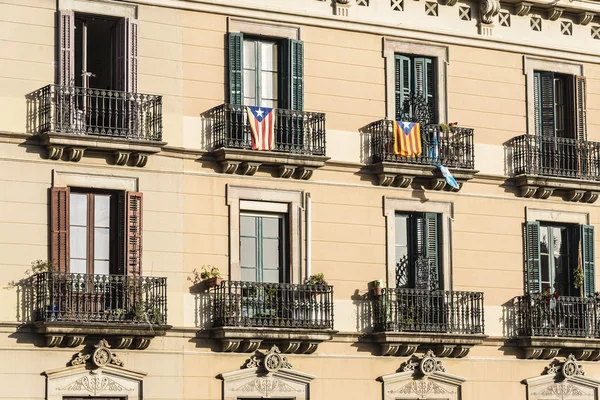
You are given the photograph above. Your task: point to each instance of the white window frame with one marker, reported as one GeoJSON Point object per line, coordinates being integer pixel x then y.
{"type": "Point", "coordinates": [104, 7]}
{"type": "Point", "coordinates": [445, 209]}
{"type": "Point", "coordinates": [532, 64]}
{"type": "Point", "coordinates": [440, 54]}
{"type": "Point", "coordinates": [247, 199]}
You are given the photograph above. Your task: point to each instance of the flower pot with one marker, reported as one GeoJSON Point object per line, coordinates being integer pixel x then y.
{"type": "Point", "coordinates": [377, 291]}
{"type": "Point", "coordinates": [212, 282]}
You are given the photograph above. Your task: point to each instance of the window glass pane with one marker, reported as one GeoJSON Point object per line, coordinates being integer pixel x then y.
{"type": "Point", "coordinates": [249, 54]}
{"type": "Point", "coordinates": [101, 267]}
{"type": "Point", "coordinates": [78, 209]}
{"type": "Point", "coordinates": [271, 253]}
{"type": "Point", "coordinates": [248, 252]}
{"type": "Point", "coordinates": [401, 229]}
{"type": "Point", "coordinates": [268, 103]}
{"type": "Point", "coordinates": [250, 87]}
{"type": "Point", "coordinates": [268, 56]}
{"type": "Point", "coordinates": [270, 227]}
{"type": "Point", "coordinates": [78, 266]}
{"type": "Point", "coordinates": [247, 225]}
{"type": "Point", "coordinates": [268, 89]}
{"type": "Point", "coordinates": [102, 211]}
{"type": "Point", "coordinates": [248, 274]}
{"type": "Point", "coordinates": [271, 276]}
{"type": "Point", "coordinates": [101, 244]}
{"type": "Point", "coordinates": [78, 242]}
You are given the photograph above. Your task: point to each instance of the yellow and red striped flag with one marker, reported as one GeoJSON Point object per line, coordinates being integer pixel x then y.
{"type": "Point", "coordinates": [407, 139]}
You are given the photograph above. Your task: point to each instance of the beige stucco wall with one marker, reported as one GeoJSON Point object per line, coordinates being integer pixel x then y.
{"type": "Point", "coordinates": [182, 58]}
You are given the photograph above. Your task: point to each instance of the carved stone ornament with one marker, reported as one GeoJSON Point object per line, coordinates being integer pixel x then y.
{"type": "Point", "coordinates": [522, 8]}
{"type": "Point", "coordinates": [488, 10]}
{"type": "Point", "coordinates": [426, 366]}
{"type": "Point", "coordinates": [272, 361]}
{"type": "Point", "coordinates": [420, 388]}
{"type": "Point", "coordinates": [100, 357]}
{"type": "Point", "coordinates": [566, 369]}
{"type": "Point", "coordinates": [94, 385]}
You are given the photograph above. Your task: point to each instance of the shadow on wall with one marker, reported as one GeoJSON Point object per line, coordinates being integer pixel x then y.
{"type": "Point", "coordinates": [363, 311]}
{"type": "Point", "coordinates": [203, 302]}
{"type": "Point", "coordinates": [365, 144]}
{"type": "Point", "coordinates": [206, 141]}
{"type": "Point", "coordinates": [509, 319]}
{"type": "Point", "coordinates": [35, 109]}
{"type": "Point", "coordinates": [25, 299]}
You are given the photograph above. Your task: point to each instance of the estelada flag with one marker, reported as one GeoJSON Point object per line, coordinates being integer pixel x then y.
{"type": "Point", "coordinates": [262, 125]}
{"type": "Point", "coordinates": [407, 138]}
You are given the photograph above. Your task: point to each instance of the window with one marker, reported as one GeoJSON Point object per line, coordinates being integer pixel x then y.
{"type": "Point", "coordinates": [553, 252]}
{"type": "Point", "coordinates": [417, 251]}
{"type": "Point", "coordinates": [262, 248]}
{"type": "Point", "coordinates": [559, 105]}
{"type": "Point", "coordinates": [415, 76]}
{"type": "Point", "coordinates": [266, 72]}
{"type": "Point", "coordinates": [96, 232]}
{"type": "Point", "coordinates": [97, 51]}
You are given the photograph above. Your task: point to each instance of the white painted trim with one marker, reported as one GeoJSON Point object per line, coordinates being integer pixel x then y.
{"type": "Point", "coordinates": [94, 181]}
{"type": "Point", "coordinates": [566, 217]}
{"type": "Point", "coordinates": [400, 384]}
{"type": "Point", "coordinates": [391, 47]}
{"type": "Point", "coordinates": [391, 206]}
{"type": "Point", "coordinates": [292, 200]}
{"type": "Point", "coordinates": [531, 64]}
{"type": "Point", "coordinates": [263, 28]}
{"type": "Point", "coordinates": [249, 205]}
{"type": "Point", "coordinates": [252, 383]}
{"type": "Point", "coordinates": [104, 7]}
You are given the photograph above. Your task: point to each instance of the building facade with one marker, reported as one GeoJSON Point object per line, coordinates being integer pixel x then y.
{"type": "Point", "coordinates": [299, 148]}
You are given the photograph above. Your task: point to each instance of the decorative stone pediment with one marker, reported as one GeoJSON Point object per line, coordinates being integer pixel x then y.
{"type": "Point", "coordinates": [266, 375]}
{"type": "Point", "coordinates": [425, 378]}
{"type": "Point", "coordinates": [561, 381]}
{"type": "Point", "coordinates": [97, 373]}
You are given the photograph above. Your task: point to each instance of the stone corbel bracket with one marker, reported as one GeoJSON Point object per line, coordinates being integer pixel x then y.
{"type": "Point", "coordinates": [70, 147]}
{"type": "Point", "coordinates": [522, 9]}
{"type": "Point", "coordinates": [248, 162]}
{"type": "Point", "coordinates": [555, 13]}
{"type": "Point", "coordinates": [585, 18]}
{"type": "Point", "coordinates": [546, 348]}
{"type": "Point", "coordinates": [342, 8]}
{"type": "Point", "coordinates": [402, 344]}
{"type": "Point", "coordinates": [403, 175]}
{"type": "Point", "coordinates": [488, 10]}
{"type": "Point", "coordinates": [530, 186]}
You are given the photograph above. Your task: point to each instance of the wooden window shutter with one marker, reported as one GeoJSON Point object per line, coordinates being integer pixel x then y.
{"type": "Point", "coordinates": [66, 58]}
{"type": "Point", "coordinates": [236, 73]}
{"type": "Point", "coordinates": [132, 55]}
{"type": "Point", "coordinates": [296, 74]}
{"type": "Point", "coordinates": [59, 228]}
{"type": "Point", "coordinates": [537, 104]}
{"type": "Point", "coordinates": [133, 233]}
{"type": "Point", "coordinates": [547, 104]}
{"type": "Point", "coordinates": [120, 54]}
{"type": "Point", "coordinates": [403, 82]}
{"type": "Point", "coordinates": [425, 231]}
{"type": "Point", "coordinates": [580, 108]}
{"type": "Point", "coordinates": [432, 249]}
{"type": "Point", "coordinates": [587, 259]}
{"type": "Point", "coordinates": [531, 239]}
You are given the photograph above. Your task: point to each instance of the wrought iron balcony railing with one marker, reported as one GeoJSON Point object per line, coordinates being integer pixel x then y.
{"type": "Point", "coordinates": [273, 305]}
{"type": "Point", "coordinates": [107, 299]}
{"type": "Point", "coordinates": [451, 146]}
{"type": "Point", "coordinates": [80, 111]}
{"type": "Point", "coordinates": [565, 316]}
{"type": "Point", "coordinates": [431, 311]}
{"type": "Point", "coordinates": [296, 132]}
{"type": "Point", "coordinates": [554, 156]}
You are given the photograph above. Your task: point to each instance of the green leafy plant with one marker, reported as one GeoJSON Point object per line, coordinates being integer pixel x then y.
{"type": "Point", "coordinates": [316, 279]}
{"type": "Point", "coordinates": [209, 272]}
{"type": "Point", "coordinates": [578, 278]}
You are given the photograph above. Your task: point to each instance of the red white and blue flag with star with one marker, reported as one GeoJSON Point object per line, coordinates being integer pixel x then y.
{"type": "Point", "coordinates": [262, 125]}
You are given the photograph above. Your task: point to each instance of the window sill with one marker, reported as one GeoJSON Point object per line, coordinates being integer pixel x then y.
{"type": "Point", "coordinates": [289, 340]}
{"type": "Point", "coordinates": [286, 165]}
{"type": "Point", "coordinates": [124, 335]}
{"type": "Point", "coordinates": [71, 147]}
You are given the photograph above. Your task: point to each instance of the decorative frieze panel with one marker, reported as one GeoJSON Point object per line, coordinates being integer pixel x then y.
{"type": "Point", "coordinates": [431, 9]}
{"type": "Point", "coordinates": [535, 23]}
{"type": "Point", "coordinates": [566, 28]}
{"type": "Point", "coordinates": [397, 5]}
{"type": "Point", "coordinates": [424, 378]}
{"type": "Point", "coordinates": [561, 381]}
{"type": "Point", "coordinates": [266, 375]}
{"type": "Point", "coordinates": [595, 32]}
{"type": "Point", "coordinates": [504, 18]}
{"type": "Point", "coordinates": [464, 13]}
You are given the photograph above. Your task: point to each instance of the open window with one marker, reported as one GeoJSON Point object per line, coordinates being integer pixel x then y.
{"type": "Point", "coordinates": [415, 88]}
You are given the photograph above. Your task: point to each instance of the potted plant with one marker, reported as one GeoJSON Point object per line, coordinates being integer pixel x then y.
{"type": "Point", "coordinates": [377, 287]}
{"type": "Point", "coordinates": [211, 276]}
{"type": "Point", "coordinates": [316, 279]}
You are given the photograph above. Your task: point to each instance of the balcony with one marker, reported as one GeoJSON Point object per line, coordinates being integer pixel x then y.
{"type": "Point", "coordinates": [71, 120]}
{"type": "Point", "coordinates": [450, 322]}
{"type": "Point", "coordinates": [296, 317]}
{"type": "Point", "coordinates": [69, 307]}
{"type": "Point", "coordinates": [545, 325]}
{"type": "Point", "coordinates": [542, 165]}
{"type": "Point", "coordinates": [299, 142]}
{"type": "Point", "coordinates": [450, 146]}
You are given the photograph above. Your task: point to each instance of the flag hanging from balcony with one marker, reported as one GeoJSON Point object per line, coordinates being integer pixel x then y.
{"type": "Point", "coordinates": [448, 177]}
{"type": "Point", "coordinates": [407, 139]}
{"type": "Point", "coordinates": [262, 125]}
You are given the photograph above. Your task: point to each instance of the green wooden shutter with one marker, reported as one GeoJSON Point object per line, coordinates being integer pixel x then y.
{"type": "Point", "coordinates": [432, 248]}
{"type": "Point", "coordinates": [236, 72]}
{"type": "Point", "coordinates": [587, 259]}
{"type": "Point", "coordinates": [580, 108]}
{"type": "Point", "coordinates": [425, 232]}
{"type": "Point", "coordinates": [531, 237]}
{"type": "Point", "coordinates": [292, 78]}
{"type": "Point", "coordinates": [403, 84]}
{"type": "Point", "coordinates": [537, 104]}
{"type": "Point", "coordinates": [546, 103]}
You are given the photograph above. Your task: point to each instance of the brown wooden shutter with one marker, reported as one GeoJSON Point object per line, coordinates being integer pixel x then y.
{"type": "Point", "coordinates": [59, 228]}
{"type": "Point", "coordinates": [133, 227]}
{"type": "Point", "coordinates": [66, 58]}
{"type": "Point", "coordinates": [580, 108]}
